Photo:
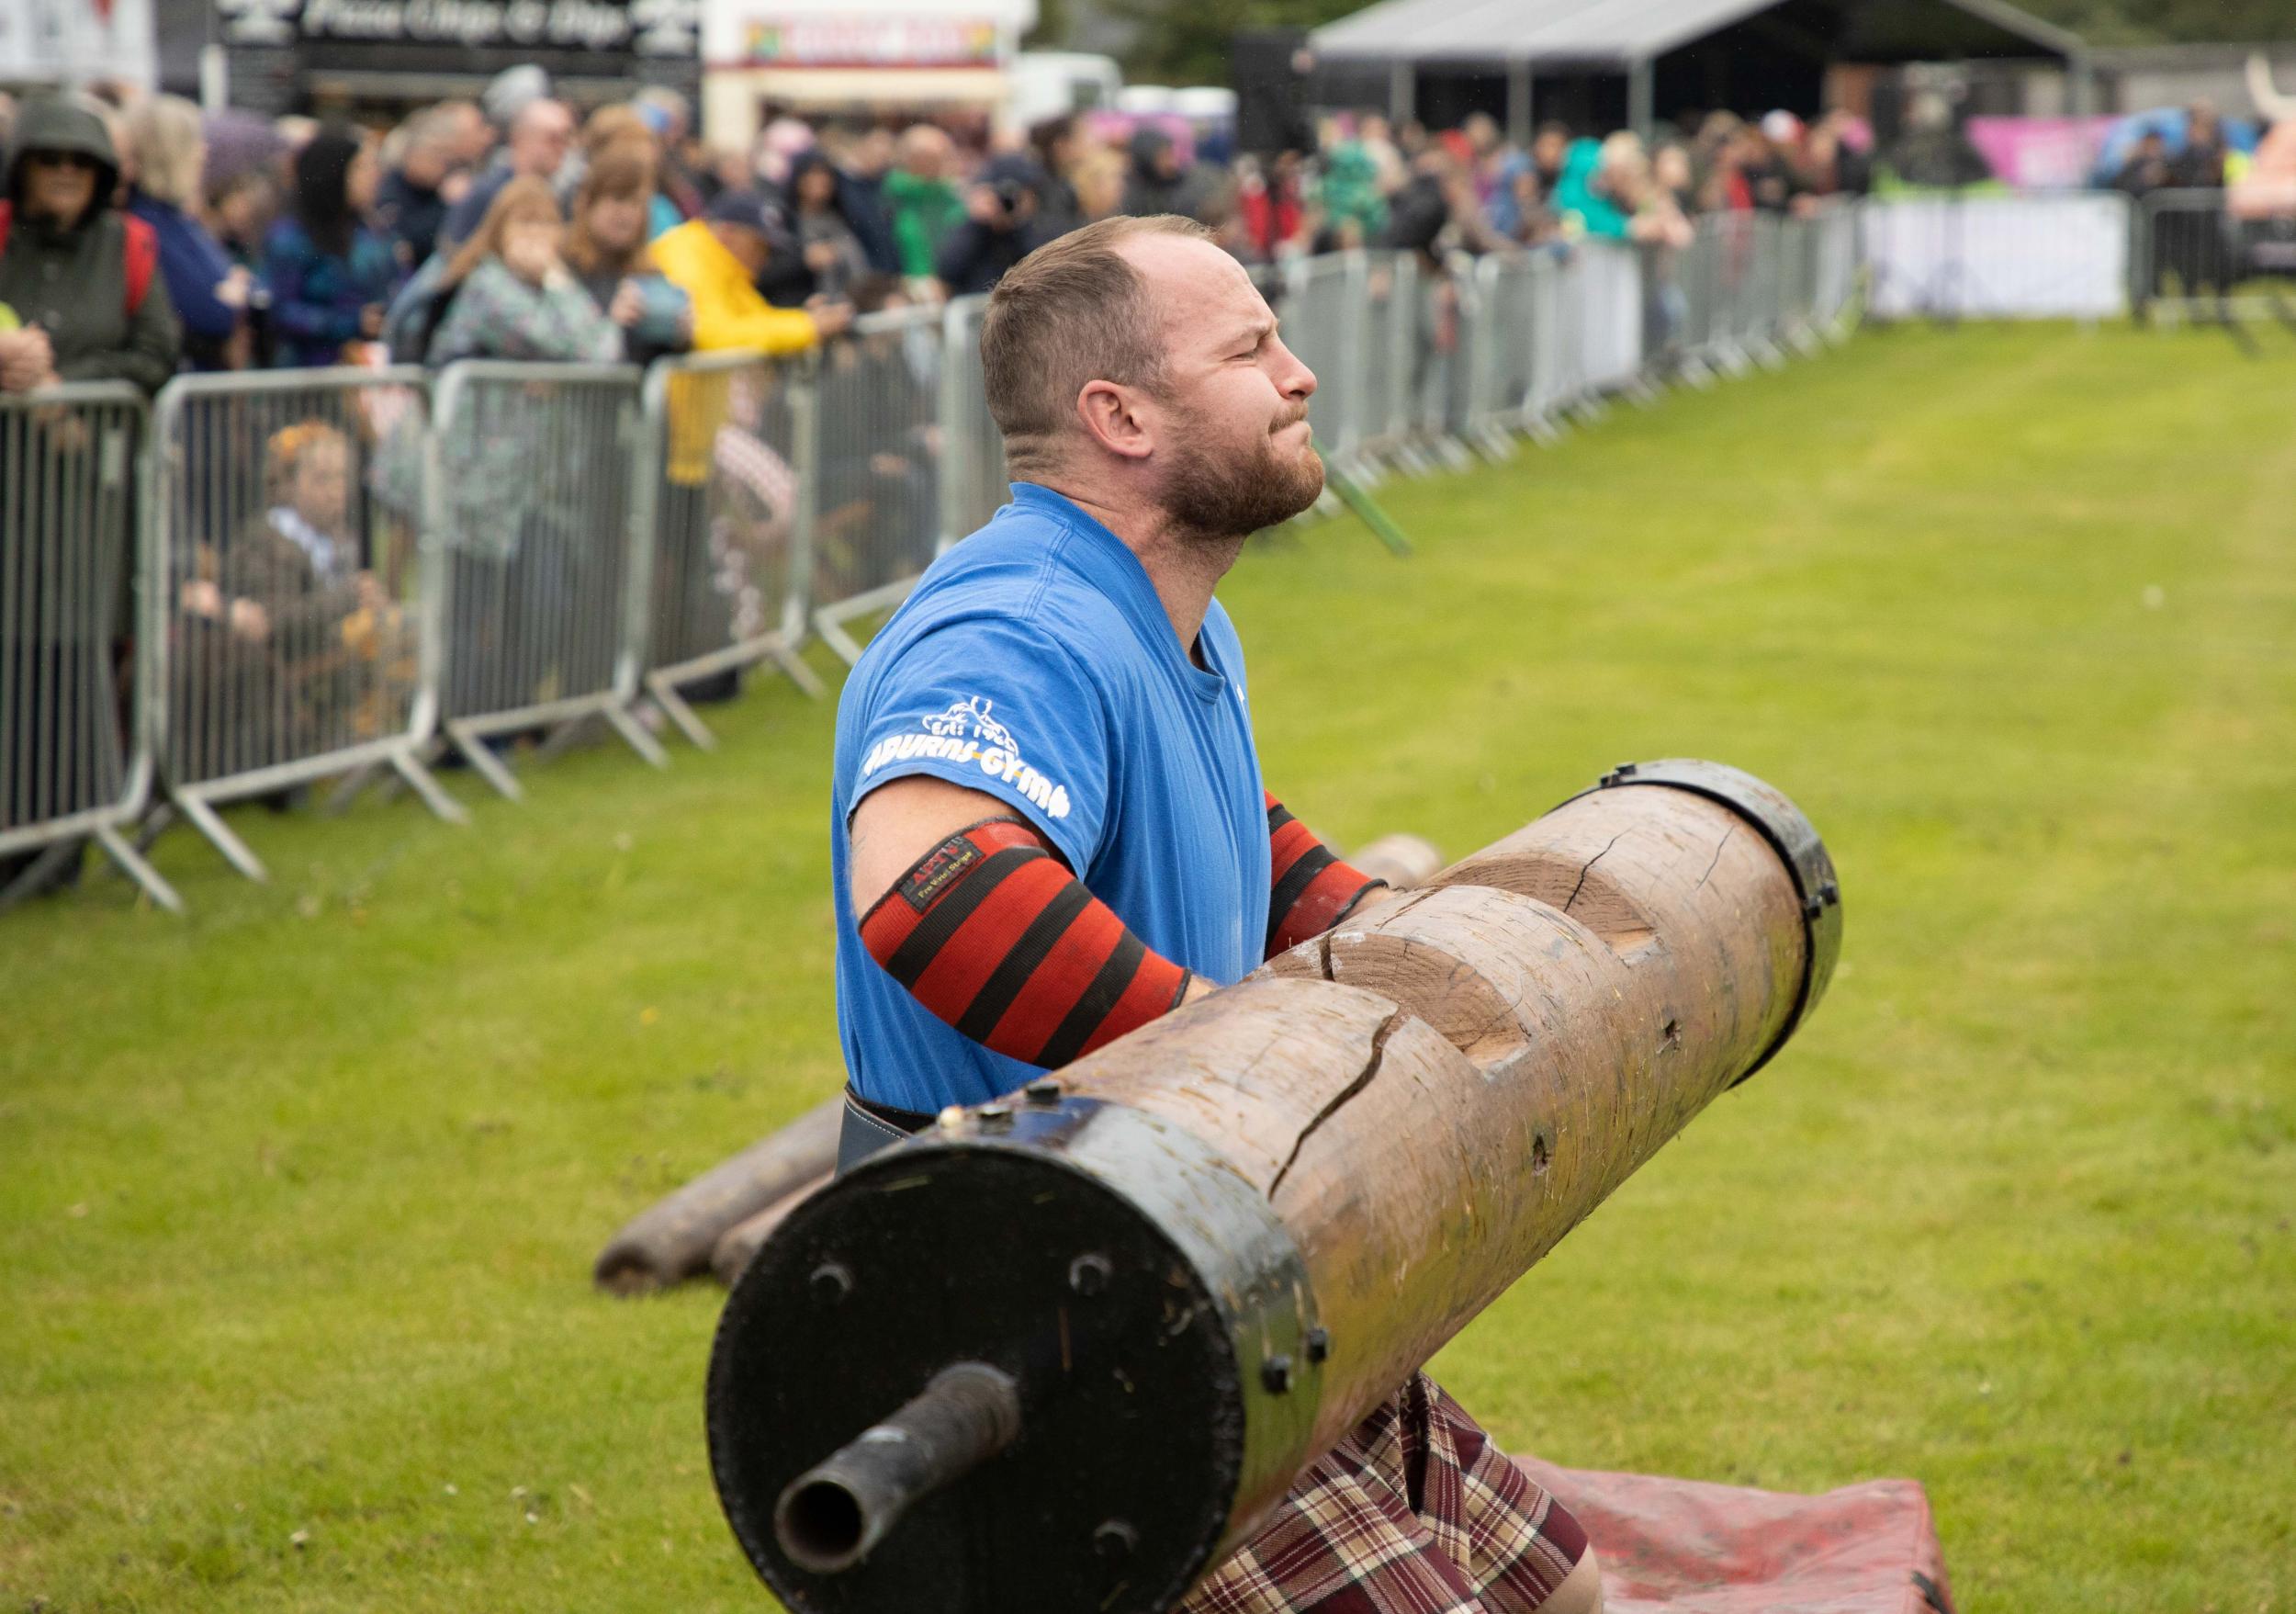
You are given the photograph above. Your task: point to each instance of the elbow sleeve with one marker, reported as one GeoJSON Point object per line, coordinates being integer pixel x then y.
{"type": "Point", "coordinates": [991, 933]}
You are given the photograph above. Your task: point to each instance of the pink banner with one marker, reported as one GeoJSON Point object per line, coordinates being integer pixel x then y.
{"type": "Point", "coordinates": [2040, 154]}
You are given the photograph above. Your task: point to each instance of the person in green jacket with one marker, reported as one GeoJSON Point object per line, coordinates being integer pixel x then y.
{"type": "Point", "coordinates": [924, 203]}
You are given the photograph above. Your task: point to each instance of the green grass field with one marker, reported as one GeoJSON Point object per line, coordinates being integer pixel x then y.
{"type": "Point", "coordinates": [297, 1197]}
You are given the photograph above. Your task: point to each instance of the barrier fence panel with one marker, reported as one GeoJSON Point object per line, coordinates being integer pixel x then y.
{"type": "Point", "coordinates": [536, 553]}
{"type": "Point", "coordinates": [1609, 330]}
{"type": "Point", "coordinates": [881, 467]}
{"type": "Point", "coordinates": [1834, 275]}
{"type": "Point", "coordinates": [75, 760]}
{"type": "Point", "coordinates": [972, 484]}
{"type": "Point", "coordinates": [1385, 337]}
{"type": "Point", "coordinates": [1322, 325]}
{"type": "Point", "coordinates": [730, 482]}
{"type": "Point", "coordinates": [2213, 255]}
{"type": "Point", "coordinates": [285, 583]}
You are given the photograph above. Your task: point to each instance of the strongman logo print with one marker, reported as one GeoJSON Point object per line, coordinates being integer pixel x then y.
{"type": "Point", "coordinates": [967, 735]}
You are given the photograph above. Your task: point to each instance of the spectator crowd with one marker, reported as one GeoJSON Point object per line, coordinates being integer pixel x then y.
{"type": "Point", "coordinates": [514, 227]}
{"type": "Point", "coordinates": [141, 239]}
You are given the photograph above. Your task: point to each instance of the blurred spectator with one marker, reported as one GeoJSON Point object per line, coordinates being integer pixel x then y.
{"type": "Point", "coordinates": [1355, 212]}
{"type": "Point", "coordinates": [328, 276]}
{"type": "Point", "coordinates": [1765, 162]}
{"type": "Point", "coordinates": [1582, 202]}
{"type": "Point", "coordinates": [1100, 181]}
{"type": "Point", "coordinates": [1933, 152]}
{"type": "Point", "coordinates": [607, 248]}
{"type": "Point", "coordinates": [999, 229]}
{"type": "Point", "coordinates": [920, 200]}
{"type": "Point", "coordinates": [622, 124]}
{"type": "Point", "coordinates": [1158, 183]}
{"type": "Point", "coordinates": [863, 162]}
{"type": "Point", "coordinates": [717, 259]}
{"type": "Point", "coordinates": [80, 281]}
{"type": "Point", "coordinates": [468, 136]}
{"type": "Point", "coordinates": [512, 294]}
{"type": "Point", "coordinates": [1061, 145]}
{"type": "Point", "coordinates": [410, 202]}
{"type": "Point", "coordinates": [208, 291]}
{"type": "Point", "coordinates": [2201, 166]}
{"type": "Point", "coordinates": [1272, 208]}
{"type": "Point", "coordinates": [2147, 169]}
{"type": "Point", "coordinates": [1832, 161]}
{"type": "Point", "coordinates": [284, 621]}
{"type": "Point", "coordinates": [1550, 148]}
{"type": "Point", "coordinates": [541, 134]}
{"type": "Point", "coordinates": [241, 211]}
{"type": "Point", "coordinates": [829, 246]}
{"type": "Point", "coordinates": [664, 110]}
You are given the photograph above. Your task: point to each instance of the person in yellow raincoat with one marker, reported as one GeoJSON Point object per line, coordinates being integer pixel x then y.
{"type": "Point", "coordinates": [716, 260]}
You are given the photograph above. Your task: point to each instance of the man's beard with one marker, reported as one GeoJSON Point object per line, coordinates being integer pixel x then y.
{"type": "Point", "coordinates": [1213, 493]}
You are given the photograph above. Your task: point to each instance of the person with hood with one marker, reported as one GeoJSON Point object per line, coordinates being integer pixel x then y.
{"type": "Point", "coordinates": [208, 291]}
{"type": "Point", "coordinates": [830, 247]}
{"type": "Point", "coordinates": [80, 282]}
{"type": "Point", "coordinates": [1158, 183]}
{"type": "Point", "coordinates": [330, 275]}
{"type": "Point", "coordinates": [81, 300]}
{"type": "Point", "coordinates": [999, 229]}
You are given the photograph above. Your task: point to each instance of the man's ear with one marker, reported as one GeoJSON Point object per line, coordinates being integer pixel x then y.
{"type": "Point", "coordinates": [1116, 418]}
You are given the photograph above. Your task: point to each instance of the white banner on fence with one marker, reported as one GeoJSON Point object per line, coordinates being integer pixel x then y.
{"type": "Point", "coordinates": [2054, 256]}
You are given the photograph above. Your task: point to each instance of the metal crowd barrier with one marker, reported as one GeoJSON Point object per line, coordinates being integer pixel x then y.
{"type": "Point", "coordinates": [343, 572]}
{"type": "Point", "coordinates": [972, 484]}
{"type": "Point", "coordinates": [283, 585]}
{"type": "Point", "coordinates": [535, 552]}
{"type": "Point", "coordinates": [883, 465]}
{"type": "Point", "coordinates": [2205, 257]}
{"type": "Point", "coordinates": [75, 760]}
{"type": "Point", "coordinates": [729, 502]}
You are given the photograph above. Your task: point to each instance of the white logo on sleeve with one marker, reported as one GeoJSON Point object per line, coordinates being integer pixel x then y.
{"type": "Point", "coordinates": [967, 735]}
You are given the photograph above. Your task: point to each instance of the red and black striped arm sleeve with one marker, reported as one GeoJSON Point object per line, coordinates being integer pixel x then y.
{"type": "Point", "coordinates": [991, 933]}
{"type": "Point", "coordinates": [1313, 889]}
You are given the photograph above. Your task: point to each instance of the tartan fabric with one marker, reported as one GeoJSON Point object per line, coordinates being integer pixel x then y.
{"type": "Point", "coordinates": [1417, 1512]}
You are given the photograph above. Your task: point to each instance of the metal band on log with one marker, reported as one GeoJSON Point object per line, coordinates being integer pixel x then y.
{"type": "Point", "coordinates": [1201, 1256]}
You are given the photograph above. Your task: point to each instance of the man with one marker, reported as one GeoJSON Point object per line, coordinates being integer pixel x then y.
{"type": "Point", "coordinates": [541, 134]}
{"type": "Point", "coordinates": [717, 260]}
{"type": "Point", "coordinates": [1002, 226]}
{"type": "Point", "coordinates": [1049, 828]}
{"type": "Point", "coordinates": [922, 203]}
{"type": "Point", "coordinates": [412, 201]}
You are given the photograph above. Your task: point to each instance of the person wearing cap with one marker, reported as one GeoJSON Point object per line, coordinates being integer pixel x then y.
{"type": "Point", "coordinates": [79, 280]}
{"type": "Point", "coordinates": [717, 260]}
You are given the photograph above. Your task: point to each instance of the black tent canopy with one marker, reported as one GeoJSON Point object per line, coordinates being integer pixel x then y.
{"type": "Point", "coordinates": [1746, 53]}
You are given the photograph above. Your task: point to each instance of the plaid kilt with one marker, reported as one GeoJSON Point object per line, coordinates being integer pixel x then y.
{"type": "Point", "coordinates": [1417, 1512]}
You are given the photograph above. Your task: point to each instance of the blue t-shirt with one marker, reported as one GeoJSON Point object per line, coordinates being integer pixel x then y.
{"type": "Point", "coordinates": [1035, 663]}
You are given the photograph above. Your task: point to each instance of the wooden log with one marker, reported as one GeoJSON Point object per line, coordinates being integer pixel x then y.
{"type": "Point", "coordinates": [740, 1241]}
{"type": "Point", "coordinates": [1402, 861]}
{"type": "Point", "coordinates": [673, 1239]}
{"type": "Point", "coordinates": [1206, 1252]}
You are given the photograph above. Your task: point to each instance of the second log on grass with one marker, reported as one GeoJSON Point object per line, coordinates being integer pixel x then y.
{"type": "Point", "coordinates": [674, 1240]}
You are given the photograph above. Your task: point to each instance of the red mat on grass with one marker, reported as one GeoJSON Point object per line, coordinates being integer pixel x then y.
{"type": "Point", "coordinates": [1692, 1548]}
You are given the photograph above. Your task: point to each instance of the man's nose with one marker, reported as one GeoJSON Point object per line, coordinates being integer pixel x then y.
{"type": "Point", "coordinates": [1295, 378]}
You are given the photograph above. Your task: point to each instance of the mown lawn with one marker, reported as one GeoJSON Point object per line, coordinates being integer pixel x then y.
{"type": "Point", "coordinates": [297, 1197]}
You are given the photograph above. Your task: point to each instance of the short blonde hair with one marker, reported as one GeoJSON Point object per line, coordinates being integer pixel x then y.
{"type": "Point", "coordinates": [1072, 311]}
{"type": "Point", "coordinates": [166, 138]}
